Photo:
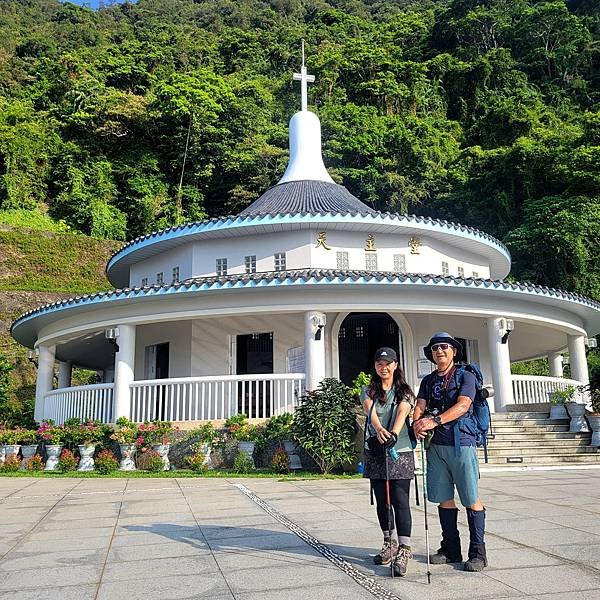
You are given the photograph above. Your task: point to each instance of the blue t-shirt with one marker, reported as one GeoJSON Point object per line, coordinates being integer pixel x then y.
{"type": "Point", "coordinates": [432, 390]}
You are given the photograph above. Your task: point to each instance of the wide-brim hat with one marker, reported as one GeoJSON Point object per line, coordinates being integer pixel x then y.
{"type": "Point", "coordinates": [441, 337]}
{"type": "Point", "coordinates": [385, 353]}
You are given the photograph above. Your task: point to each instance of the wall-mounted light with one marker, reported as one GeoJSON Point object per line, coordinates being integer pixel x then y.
{"type": "Point", "coordinates": [318, 323]}
{"type": "Point", "coordinates": [591, 343]}
{"type": "Point", "coordinates": [111, 335]}
{"type": "Point", "coordinates": [509, 326]}
{"type": "Point", "coordinates": [32, 356]}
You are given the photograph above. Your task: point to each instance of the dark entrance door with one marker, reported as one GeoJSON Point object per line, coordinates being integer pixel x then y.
{"type": "Point", "coordinates": [360, 335]}
{"type": "Point", "coordinates": [162, 372]}
{"type": "Point", "coordinates": [254, 355]}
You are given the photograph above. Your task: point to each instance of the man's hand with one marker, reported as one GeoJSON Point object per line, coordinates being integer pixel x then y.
{"type": "Point", "coordinates": [383, 435]}
{"type": "Point", "coordinates": [422, 426]}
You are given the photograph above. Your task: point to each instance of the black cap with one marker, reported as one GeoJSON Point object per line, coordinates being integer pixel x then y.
{"type": "Point", "coordinates": [441, 337]}
{"type": "Point", "coordinates": [386, 354]}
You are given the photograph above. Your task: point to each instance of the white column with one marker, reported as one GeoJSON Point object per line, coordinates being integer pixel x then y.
{"type": "Point", "coordinates": [124, 375]}
{"type": "Point", "coordinates": [555, 361]}
{"type": "Point", "coordinates": [500, 363]}
{"type": "Point", "coordinates": [578, 362]}
{"type": "Point", "coordinates": [314, 348]}
{"type": "Point", "coordinates": [65, 371]}
{"type": "Point", "coordinates": [45, 376]}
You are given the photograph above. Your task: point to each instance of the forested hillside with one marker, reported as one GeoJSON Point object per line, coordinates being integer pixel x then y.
{"type": "Point", "coordinates": [483, 112]}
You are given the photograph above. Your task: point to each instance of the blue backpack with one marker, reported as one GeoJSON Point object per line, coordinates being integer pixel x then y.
{"type": "Point", "coordinates": [478, 420]}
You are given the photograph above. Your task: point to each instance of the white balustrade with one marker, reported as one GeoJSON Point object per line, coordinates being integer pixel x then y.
{"type": "Point", "coordinates": [85, 402]}
{"type": "Point", "coordinates": [212, 398]}
{"type": "Point", "coordinates": [533, 389]}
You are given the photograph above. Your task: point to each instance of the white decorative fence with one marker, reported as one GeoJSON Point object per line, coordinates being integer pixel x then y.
{"type": "Point", "coordinates": [533, 389]}
{"type": "Point", "coordinates": [203, 398]}
{"type": "Point", "coordinates": [85, 402]}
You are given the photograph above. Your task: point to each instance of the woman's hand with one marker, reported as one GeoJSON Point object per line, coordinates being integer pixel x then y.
{"type": "Point", "coordinates": [383, 435]}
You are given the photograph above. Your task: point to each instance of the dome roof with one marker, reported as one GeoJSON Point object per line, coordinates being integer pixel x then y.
{"type": "Point", "coordinates": [308, 196]}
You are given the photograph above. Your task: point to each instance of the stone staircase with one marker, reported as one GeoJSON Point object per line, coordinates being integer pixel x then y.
{"type": "Point", "coordinates": [532, 439]}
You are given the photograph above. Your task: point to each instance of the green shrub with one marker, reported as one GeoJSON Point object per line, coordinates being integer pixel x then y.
{"type": "Point", "coordinates": [105, 462]}
{"type": "Point", "coordinates": [280, 462]}
{"type": "Point", "coordinates": [35, 463]}
{"type": "Point", "coordinates": [324, 424]}
{"type": "Point", "coordinates": [11, 464]}
{"type": "Point", "coordinates": [67, 461]}
{"type": "Point", "coordinates": [239, 419]}
{"type": "Point", "coordinates": [243, 463]}
{"type": "Point", "coordinates": [197, 462]}
{"type": "Point", "coordinates": [32, 219]}
{"type": "Point", "coordinates": [153, 462]}
{"type": "Point", "coordinates": [362, 380]}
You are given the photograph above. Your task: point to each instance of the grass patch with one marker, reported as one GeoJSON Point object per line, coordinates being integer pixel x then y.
{"type": "Point", "coordinates": [32, 219]}
{"type": "Point", "coordinates": [51, 262]}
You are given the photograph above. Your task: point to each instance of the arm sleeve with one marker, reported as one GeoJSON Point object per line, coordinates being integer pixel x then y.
{"type": "Point", "coordinates": [423, 388]}
{"type": "Point", "coordinates": [469, 385]}
{"type": "Point", "coordinates": [363, 394]}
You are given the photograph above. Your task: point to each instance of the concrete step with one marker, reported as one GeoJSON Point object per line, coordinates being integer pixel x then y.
{"type": "Point", "coordinates": [529, 428]}
{"type": "Point", "coordinates": [544, 459]}
{"type": "Point", "coordinates": [532, 414]}
{"type": "Point", "coordinates": [529, 421]}
{"type": "Point", "coordinates": [542, 450]}
{"type": "Point", "coordinates": [543, 443]}
{"type": "Point", "coordinates": [532, 436]}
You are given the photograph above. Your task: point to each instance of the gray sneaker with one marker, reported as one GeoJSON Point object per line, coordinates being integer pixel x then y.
{"type": "Point", "coordinates": [388, 551]}
{"type": "Point", "coordinates": [401, 561]}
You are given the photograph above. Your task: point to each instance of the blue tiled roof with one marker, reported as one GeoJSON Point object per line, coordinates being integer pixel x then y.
{"type": "Point", "coordinates": [306, 276]}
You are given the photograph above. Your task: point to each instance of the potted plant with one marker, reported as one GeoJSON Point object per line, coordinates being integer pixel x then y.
{"type": "Point", "coordinates": [52, 437]}
{"type": "Point", "coordinates": [593, 417]}
{"type": "Point", "coordinates": [86, 436]}
{"type": "Point", "coordinates": [204, 437]}
{"type": "Point", "coordinates": [557, 400]}
{"type": "Point", "coordinates": [159, 435]}
{"type": "Point", "coordinates": [126, 435]}
{"type": "Point", "coordinates": [576, 411]}
{"type": "Point", "coordinates": [245, 434]}
{"type": "Point", "coordinates": [2, 445]}
{"type": "Point", "coordinates": [11, 441]}
{"type": "Point", "coordinates": [27, 438]}
{"type": "Point", "coordinates": [278, 429]}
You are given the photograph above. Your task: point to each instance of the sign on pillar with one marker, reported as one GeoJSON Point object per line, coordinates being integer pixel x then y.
{"type": "Point", "coordinates": [314, 348]}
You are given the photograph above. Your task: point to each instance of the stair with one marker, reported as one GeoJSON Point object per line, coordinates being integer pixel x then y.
{"type": "Point", "coordinates": [530, 438]}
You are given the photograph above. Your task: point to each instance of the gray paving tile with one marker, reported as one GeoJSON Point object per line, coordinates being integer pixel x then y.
{"type": "Point", "coordinates": [327, 591]}
{"type": "Point", "coordinates": [158, 550]}
{"type": "Point", "coordinates": [78, 592]}
{"type": "Point", "coordinates": [49, 577]}
{"type": "Point", "coordinates": [166, 588]}
{"type": "Point", "coordinates": [18, 561]}
{"type": "Point", "coordinates": [539, 580]}
{"type": "Point", "coordinates": [160, 567]}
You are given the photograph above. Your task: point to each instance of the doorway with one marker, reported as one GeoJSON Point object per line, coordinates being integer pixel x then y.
{"type": "Point", "coordinates": [360, 335]}
{"type": "Point", "coordinates": [254, 356]}
{"type": "Point", "coordinates": [157, 367]}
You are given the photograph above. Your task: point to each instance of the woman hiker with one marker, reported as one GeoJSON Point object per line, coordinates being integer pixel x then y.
{"type": "Point", "coordinates": [387, 402]}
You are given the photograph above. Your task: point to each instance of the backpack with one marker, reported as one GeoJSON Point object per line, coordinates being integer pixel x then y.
{"type": "Point", "coordinates": [477, 422]}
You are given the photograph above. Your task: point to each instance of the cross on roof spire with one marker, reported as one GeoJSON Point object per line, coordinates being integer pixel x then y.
{"type": "Point", "coordinates": [304, 80]}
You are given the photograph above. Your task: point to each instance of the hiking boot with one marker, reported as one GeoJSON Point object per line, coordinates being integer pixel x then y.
{"type": "Point", "coordinates": [401, 561]}
{"type": "Point", "coordinates": [477, 558]}
{"type": "Point", "coordinates": [388, 551]}
{"type": "Point", "coordinates": [446, 555]}
{"type": "Point", "coordinates": [449, 550]}
{"type": "Point", "coordinates": [477, 555]}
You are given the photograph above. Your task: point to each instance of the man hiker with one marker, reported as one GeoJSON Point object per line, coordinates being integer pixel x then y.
{"type": "Point", "coordinates": [446, 396]}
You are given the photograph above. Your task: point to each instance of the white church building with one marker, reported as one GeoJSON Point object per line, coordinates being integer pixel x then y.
{"type": "Point", "coordinates": [243, 313]}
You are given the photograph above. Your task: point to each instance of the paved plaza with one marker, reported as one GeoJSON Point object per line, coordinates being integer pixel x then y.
{"type": "Point", "coordinates": [263, 539]}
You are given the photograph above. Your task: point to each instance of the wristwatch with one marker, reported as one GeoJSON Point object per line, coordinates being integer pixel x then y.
{"type": "Point", "coordinates": [438, 420]}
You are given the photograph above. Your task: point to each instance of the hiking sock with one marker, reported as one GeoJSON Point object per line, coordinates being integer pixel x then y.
{"type": "Point", "coordinates": [449, 550]}
{"type": "Point", "coordinates": [477, 555]}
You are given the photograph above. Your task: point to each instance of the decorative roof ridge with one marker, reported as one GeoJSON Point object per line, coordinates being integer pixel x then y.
{"type": "Point", "coordinates": [258, 216]}
{"type": "Point", "coordinates": [315, 274]}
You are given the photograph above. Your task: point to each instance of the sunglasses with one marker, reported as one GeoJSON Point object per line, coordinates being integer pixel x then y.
{"type": "Point", "coordinates": [437, 347]}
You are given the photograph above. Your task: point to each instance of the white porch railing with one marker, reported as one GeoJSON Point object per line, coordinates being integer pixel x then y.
{"type": "Point", "coordinates": [533, 389]}
{"type": "Point", "coordinates": [220, 397]}
{"type": "Point", "coordinates": [85, 401]}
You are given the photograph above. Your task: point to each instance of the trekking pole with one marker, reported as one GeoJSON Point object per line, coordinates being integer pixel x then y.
{"type": "Point", "coordinates": [388, 504]}
{"type": "Point", "coordinates": [425, 509]}
{"type": "Point", "coordinates": [417, 490]}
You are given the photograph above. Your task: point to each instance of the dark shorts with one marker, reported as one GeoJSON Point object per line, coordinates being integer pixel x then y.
{"type": "Point", "coordinates": [446, 471]}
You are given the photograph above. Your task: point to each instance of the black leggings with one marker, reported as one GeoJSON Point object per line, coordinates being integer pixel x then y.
{"type": "Point", "coordinates": [399, 497]}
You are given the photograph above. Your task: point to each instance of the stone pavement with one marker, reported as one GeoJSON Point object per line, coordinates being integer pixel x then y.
{"type": "Point", "coordinates": [250, 539]}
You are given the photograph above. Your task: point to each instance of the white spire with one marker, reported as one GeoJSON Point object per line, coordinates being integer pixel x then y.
{"type": "Point", "coordinates": [306, 161]}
